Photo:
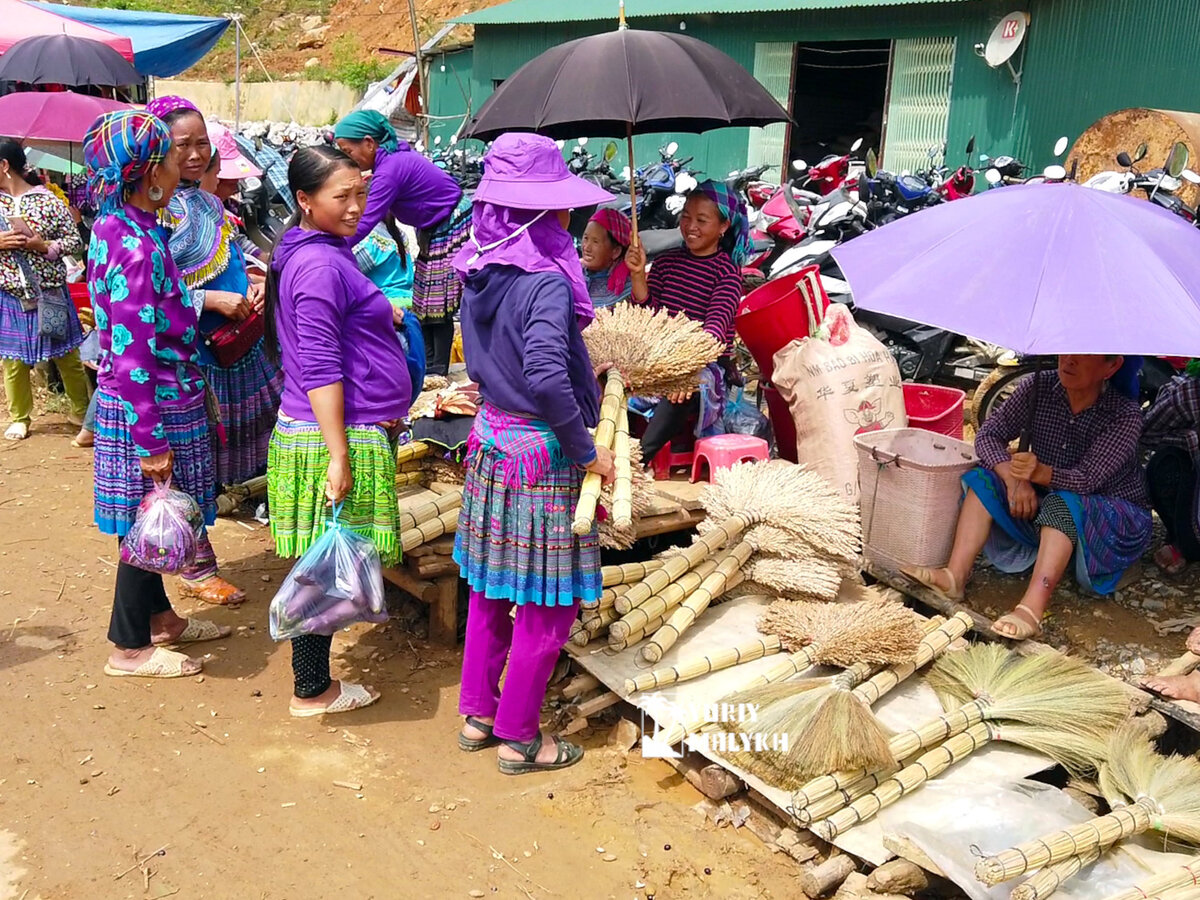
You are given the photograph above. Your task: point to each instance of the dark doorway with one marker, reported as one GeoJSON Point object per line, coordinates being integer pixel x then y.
{"type": "Point", "coordinates": [839, 92]}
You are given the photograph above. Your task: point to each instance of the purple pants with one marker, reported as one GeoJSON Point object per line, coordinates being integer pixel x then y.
{"type": "Point", "coordinates": [530, 645]}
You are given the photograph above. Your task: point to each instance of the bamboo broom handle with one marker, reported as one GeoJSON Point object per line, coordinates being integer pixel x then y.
{"type": "Point", "coordinates": [623, 485]}
{"type": "Point", "coordinates": [905, 781]}
{"type": "Point", "coordinates": [649, 628]}
{"type": "Point", "coordinates": [408, 479]}
{"type": "Point", "coordinates": [629, 573]}
{"type": "Point", "coordinates": [699, 666]}
{"type": "Point", "coordinates": [1048, 880]}
{"type": "Point", "coordinates": [607, 597]}
{"type": "Point", "coordinates": [446, 523]}
{"type": "Point", "coordinates": [662, 602]}
{"type": "Point", "coordinates": [590, 629]}
{"type": "Point", "coordinates": [411, 518]}
{"type": "Point", "coordinates": [412, 452]}
{"type": "Point", "coordinates": [589, 493]}
{"type": "Point", "coordinates": [931, 646]}
{"type": "Point", "coordinates": [827, 806]}
{"type": "Point", "coordinates": [1186, 875]}
{"type": "Point", "coordinates": [727, 576]}
{"type": "Point", "coordinates": [675, 567]}
{"type": "Point", "coordinates": [1054, 848]}
{"type": "Point", "coordinates": [782, 669]}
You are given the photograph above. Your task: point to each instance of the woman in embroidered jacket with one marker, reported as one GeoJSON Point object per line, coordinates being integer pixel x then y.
{"type": "Point", "coordinates": [204, 246]}
{"type": "Point", "coordinates": [151, 417]}
{"type": "Point", "coordinates": [37, 319]}
{"type": "Point", "coordinates": [524, 308]}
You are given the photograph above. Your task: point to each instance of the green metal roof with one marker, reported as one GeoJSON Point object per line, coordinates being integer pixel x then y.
{"type": "Point", "coordinates": [527, 11]}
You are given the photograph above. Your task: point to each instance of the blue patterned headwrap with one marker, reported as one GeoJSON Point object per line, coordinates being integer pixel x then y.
{"type": "Point", "coordinates": [118, 150]}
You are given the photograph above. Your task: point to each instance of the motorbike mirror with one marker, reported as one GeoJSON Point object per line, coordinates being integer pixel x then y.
{"type": "Point", "coordinates": [983, 157]}
{"type": "Point", "coordinates": [1178, 159]}
{"type": "Point", "coordinates": [684, 183]}
{"type": "Point", "coordinates": [1055, 173]}
{"type": "Point", "coordinates": [1140, 153]}
{"type": "Point", "coordinates": [854, 147]}
{"type": "Point", "coordinates": [971, 145]}
{"type": "Point", "coordinates": [610, 151]}
{"type": "Point", "coordinates": [1190, 176]}
{"type": "Point", "coordinates": [799, 165]}
{"type": "Point", "coordinates": [251, 184]}
{"type": "Point", "coordinates": [1073, 174]}
{"type": "Point", "coordinates": [864, 186]}
{"type": "Point", "coordinates": [932, 153]}
{"type": "Point", "coordinates": [872, 162]}
{"type": "Point", "coordinates": [993, 176]}
{"type": "Point", "coordinates": [1060, 146]}
{"type": "Point", "coordinates": [672, 148]}
{"type": "Point", "coordinates": [1123, 160]}
{"type": "Point", "coordinates": [420, 147]}
{"type": "Point", "coordinates": [560, 144]}
{"type": "Point", "coordinates": [625, 173]}
{"type": "Point", "coordinates": [437, 141]}
{"type": "Point", "coordinates": [582, 142]}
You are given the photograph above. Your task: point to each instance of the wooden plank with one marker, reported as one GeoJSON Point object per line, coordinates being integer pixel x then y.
{"type": "Point", "coordinates": [443, 613]}
{"type": "Point", "coordinates": [678, 521]}
{"type": "Point", "coordinates": [425, 591]}
{"type": "Point", "coordinates": [443, 546]}
{"type": "Point", "coordinates": [436, 567]}
{"type": "Point", "coordinates": [683, 493]}
{"type": "Point", "coordinates": [1141, 699]}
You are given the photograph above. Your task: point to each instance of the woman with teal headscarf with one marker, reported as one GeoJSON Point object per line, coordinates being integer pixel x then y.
{"type": "Point", "coordinates": [406, 187]}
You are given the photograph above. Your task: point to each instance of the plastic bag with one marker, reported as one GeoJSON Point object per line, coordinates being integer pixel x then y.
{"type": "Point", "coordinates": [743, 417]}
{"type": "Point", "coordinates": [338, 581]}
{"type": "Point", "coordinates": [164, 535]}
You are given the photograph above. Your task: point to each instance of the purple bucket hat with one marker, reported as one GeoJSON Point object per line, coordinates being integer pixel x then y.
{"type": "Point", "coordinates": [526, 171]}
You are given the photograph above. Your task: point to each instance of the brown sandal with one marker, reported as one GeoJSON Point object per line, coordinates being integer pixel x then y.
{"type": "Point", "coordinates": [214, 590]}
{"type": "Point", "coordinates": [924, 577]}
{"type": "Point", "coordinates": [1024, 629]}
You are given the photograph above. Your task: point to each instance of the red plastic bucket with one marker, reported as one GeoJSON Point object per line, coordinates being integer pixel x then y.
{"type": "Point", "coordinates": [781, 423]}
{"type": "Point", "coordinates": [935, 408]}
{"type": "Point", "coordinates": [772, 316]}
{"type": "Point", "coordinates": [79, 295]}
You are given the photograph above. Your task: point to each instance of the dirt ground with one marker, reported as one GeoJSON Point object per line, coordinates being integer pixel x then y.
{"type": "Point", "coordinates": [97, 773]}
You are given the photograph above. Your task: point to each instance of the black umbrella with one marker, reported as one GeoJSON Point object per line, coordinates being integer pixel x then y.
{"type": "Point", "coordinates": [623, 83]}
{"type": "Point", "coordinates": [68, 60]}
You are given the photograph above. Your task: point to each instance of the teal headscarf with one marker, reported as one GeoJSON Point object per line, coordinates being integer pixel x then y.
{"type": "Point", "coordinates": [368, 123]}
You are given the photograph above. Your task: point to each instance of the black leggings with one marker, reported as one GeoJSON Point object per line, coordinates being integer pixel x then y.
{"type": "Point", "coordinates": [668, 419]}
{"type": "Point", "coordinates": [1172, 479]}
{"type": "Point", "coordinates": [138, 596]}
{"type": "Point", "coordinates": [310, 664]}
{"type": "Point", "coordinates": [439, 338]}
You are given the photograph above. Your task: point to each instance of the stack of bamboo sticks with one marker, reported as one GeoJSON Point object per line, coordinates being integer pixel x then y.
{"type": "Point", "coordinates": [749, 505]}
{"type": "Point", "coordinates": [429, 521]}
{"type": "Point", "coordinates": [649, 354]}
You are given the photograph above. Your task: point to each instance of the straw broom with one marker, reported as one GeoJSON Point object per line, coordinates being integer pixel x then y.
{"type": "Point", "coordinates": [410, 518]}
{"type": "Point", "coordinates": [1186, 875]}
{"type": "Point", "coordinates": [815, 577]}
{"type": "Point", "coordinates": [629, 573]}
{"type": "Point", "coordinates": [1146, 792]}
{"type": "Point", "coordinates": [699, 666]}
{"type": "Point", "coordinates": [622, 509]}
{"type": "Point", "coordinates": [607, 598]}
{"type": "Point", "coordinates": [1033, 695]}
{"type": "Point", "coordinates": [589, 493]}
{"type": "Point", "coordinates": [847, 632]}
{"type": "Point", "coordinates": [679, 564]}
{"type": "Point", "coordinates": [446, 523]}
{"type": "Point", "coordinates": [1050, 879]}
{"type": "Point", "coordinates": [659, 605]}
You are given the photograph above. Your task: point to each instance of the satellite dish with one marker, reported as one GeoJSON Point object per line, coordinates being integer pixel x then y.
{"type": "Point", "coordinates": [1006, 38]}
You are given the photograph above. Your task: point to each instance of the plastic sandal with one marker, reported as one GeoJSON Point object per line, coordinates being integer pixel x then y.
{"type": "Point", "coordinates": [350, 697]}
{"type": "Point", "coordinates": [1025, 628]}
{"type": "Point", "coordinates": [196, 631]}
{"type": "Point", "coordinates": [472, 745]}
{"type": "Point", "coordinates": [161, 664]}
{"type": "Point", "coordinates": [924, 577]}
{"type": "Point", "coordinates": [17, 431]}
{"type": "Point", "coordinates": [568, 754]}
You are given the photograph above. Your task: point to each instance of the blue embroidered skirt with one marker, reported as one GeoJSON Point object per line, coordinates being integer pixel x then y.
{"type": "Point", "coordinates": [514, 539]}
{"type": "Point", "coordinates": [20, 338]}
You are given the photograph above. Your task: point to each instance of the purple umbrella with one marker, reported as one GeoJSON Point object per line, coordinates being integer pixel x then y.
{"type": "Point", "coordinates": [1040, 269]}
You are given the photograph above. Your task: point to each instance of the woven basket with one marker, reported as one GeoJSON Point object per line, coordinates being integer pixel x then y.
{"type": "Point", "coordinates": [910, 492]}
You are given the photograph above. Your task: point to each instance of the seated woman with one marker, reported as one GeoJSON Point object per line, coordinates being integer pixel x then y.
{"type": "Point", "coordinates": [1078, 493]}
{"type": "Point", "coordinates": [602, 250]}
{"type": "Point", "coordinates": [1172, 431]}
{"type": "Point", "coordinates": [703, 281]}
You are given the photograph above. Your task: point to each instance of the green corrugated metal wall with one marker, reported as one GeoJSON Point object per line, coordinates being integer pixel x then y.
{"type": "Point", "coordinates": [452, 91]}
{"type": "Point", "coordinates": [1082, 59]}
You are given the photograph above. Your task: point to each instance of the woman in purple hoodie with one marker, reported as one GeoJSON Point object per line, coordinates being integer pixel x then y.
{"type": "Point", "coordinates": [346, 387]}
{"type": "Point", "coordinates": [524, 305]}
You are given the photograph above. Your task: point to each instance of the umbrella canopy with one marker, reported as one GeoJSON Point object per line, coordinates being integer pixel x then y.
{"type": "Point", "coordinates": [21, 20]}
{"type": "Point", "coordinates": [39, 159]}
{"type": "Point", "coordinates": [52, 120]}
{"type": "Point", "coordinates": [608, 84]}
{"type": "Point", "coordinates": [1040, 269]}
{"type": "Point", "coordinates": [65, 59]}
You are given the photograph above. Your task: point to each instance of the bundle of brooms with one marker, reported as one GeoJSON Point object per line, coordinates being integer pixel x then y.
{"type": "Point", "coordinates": [429, 521]}
{"type": "Point", "coordinates": [649, 354]}
{"type": "Point", "coordinates": [1054, 705]}
{"type": "Point", "coordinates": [1146, 792]}
{"type": "Point", "coordinates": [752, 507]}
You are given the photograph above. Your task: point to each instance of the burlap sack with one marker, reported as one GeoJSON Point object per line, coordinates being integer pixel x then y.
{"type": "Point", "coordinates": [838, 383]}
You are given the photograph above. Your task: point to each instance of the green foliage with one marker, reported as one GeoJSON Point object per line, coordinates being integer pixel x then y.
{"type": "Point", "coordinates": [353, 67]}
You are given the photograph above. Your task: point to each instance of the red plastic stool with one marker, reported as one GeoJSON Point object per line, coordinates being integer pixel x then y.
{"type": "Point", "coordinates": [669, 458]}
{"type": "Point", "coordinates": [724, 450]}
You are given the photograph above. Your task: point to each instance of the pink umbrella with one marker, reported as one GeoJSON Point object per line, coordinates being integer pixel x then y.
{"type": "Point", "coordinates": [52, 120]}
{"type": "Point", "coordinates": [21, 20]}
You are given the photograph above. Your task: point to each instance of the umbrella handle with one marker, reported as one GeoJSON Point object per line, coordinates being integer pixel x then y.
{"type": "Point", "coordinates": [1026, 440]}
{"type": "Point", "coordinates": [633, 212]}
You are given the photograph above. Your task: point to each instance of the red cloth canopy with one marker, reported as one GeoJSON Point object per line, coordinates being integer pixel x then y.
{"type": "Point", "coordinates": [19, 19]}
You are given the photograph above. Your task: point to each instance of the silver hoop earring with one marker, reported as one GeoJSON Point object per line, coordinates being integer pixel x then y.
{"type": "Point", "coordinates": [155, 193]}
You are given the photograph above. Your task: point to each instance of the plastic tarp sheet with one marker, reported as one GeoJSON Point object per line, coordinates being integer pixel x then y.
{"type": "Point", "coordinates": [164, 44]}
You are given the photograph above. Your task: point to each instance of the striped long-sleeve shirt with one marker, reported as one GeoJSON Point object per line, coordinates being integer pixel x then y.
{"type": "Point", "coordinates": [704, 288]}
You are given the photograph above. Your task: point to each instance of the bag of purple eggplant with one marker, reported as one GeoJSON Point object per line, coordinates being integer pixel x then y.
{"type": "Point", "coordinates": [337, 582]}
{"type": "Point", "coordinates": [163, 536]}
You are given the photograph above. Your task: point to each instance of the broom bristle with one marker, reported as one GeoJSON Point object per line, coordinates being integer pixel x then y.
{"type": "Point", "coordinates": [815, 577]}
{"type": "Point", "coordinates": [656, 352]}
{"type": "Point", "coordinates": [1133, 770]}
{"type": "Point", "coordinates": [872, 631]}
{"type": "Point", "coordinates": [843, 734]}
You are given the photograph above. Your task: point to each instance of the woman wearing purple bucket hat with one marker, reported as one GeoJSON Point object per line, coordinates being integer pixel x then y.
{"type": "Point", "coordinates": [524, 306]}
